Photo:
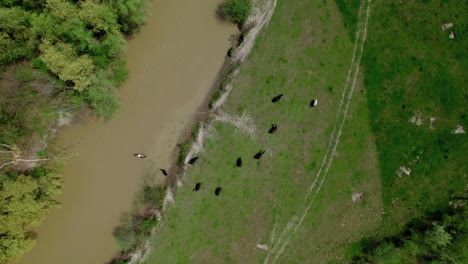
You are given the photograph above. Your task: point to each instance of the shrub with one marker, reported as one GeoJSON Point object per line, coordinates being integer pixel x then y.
{"type": "Point", "coordinates": [102, 96]}
{"type": "Point", "coordinates": [236, 11]}
{"type": "Point", "coordinates": [125, 234]}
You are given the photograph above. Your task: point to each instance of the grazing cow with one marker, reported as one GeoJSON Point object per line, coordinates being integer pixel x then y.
{"type": "Point", "coordinates": [139, 155]}
{"type": "Point", "coordinates": [313, 103]}
{"type": "Point", "coordinates": [218, 191]}
{"type": "Point", "coordinates": [239, 162]}
{"type": "Point", "coordinates": [164, 172]}
{"type": "Point", "coordinates": [277, 98]}
{"type": "Point", "coordinates": [197, 187]}
{"type": "Point", "coordinates": [259, 154]}
{"type": "Point", "coordinates": [192, 160]}
{"type": "Point", "coordinates": [273, 129]}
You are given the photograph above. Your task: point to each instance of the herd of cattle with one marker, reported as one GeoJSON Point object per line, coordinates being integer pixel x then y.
{"type": "Point", "coordinates": [239, 162]}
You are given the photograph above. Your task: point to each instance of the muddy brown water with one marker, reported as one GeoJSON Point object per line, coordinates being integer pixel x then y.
{"type": "Point", "coordinates": [173, 62]}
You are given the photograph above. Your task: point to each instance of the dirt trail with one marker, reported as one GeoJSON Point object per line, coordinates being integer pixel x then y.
{"type": "Point", "coordinates": [277, 247]}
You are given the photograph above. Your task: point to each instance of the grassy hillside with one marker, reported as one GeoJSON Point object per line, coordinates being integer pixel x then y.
{"type": "Point", "coordinates": [415, 74]}
{"type": "Point", "coordinates": [411, 67]}
{"type": "Point", "coordinates": [304, 53]}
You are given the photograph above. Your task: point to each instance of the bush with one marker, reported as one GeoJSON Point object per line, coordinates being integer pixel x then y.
{"type": "Point", "coordinates": [236, 11]}
{"type": "Point", "coordinates": [438, 236]}
{"type": "Point", "coordinates": [125, 234]}
{"type": "Point", "coordinates": [102, 96]}
{"type": "Point", "coordinates": [154, 196]}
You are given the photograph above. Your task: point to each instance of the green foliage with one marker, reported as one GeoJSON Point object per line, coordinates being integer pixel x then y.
{"type": "Point", "coordinates": [120, 73]}
{"type": "Point", "coordinates": [16, 37]}
{"type": "Point", "coordinates": [349, 10]}
{"type": "Point", "coordinates": [135, 227]}
{"type": "Point", "coordinates": [131, 14]}
{"type": "Point", "coordinates": [62, 61]}
{"type": "Point", "coordinates": [39, 64]}
{"type": "Point", "coordinates": [125, 234]}
{"type": "Point", "coordinates": [412, 66]}
{"type": "Point", "coordinates": [99, 17]}
{"type": "Point", "coordinates": [236, 11]}
{"type": "Point", "coordinates": [24, 203]}
{"type": "Point", "coordinates": [147, 225]}
{"type": "Point", "coordinates": [102, 95]}
{"type": "Point", "coordinates": [23, 111]}
{"type": "Point", "coordinates": [438, 237]}
{"type": "Point", "coordinates": [24, 74]}
{"type": "Point", "coordinates": [133, 231]}
{"type": "Point", "coordinates": [80, 43]}
{"type": "Point", "coordinates": [153, 196]}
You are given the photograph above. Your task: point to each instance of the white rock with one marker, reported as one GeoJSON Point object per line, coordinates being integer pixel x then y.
{"type": "Point", "coordinates": [458, 130]}
{"type": "Point", "coordinates": [405, 170]}
{"type": "Point", "coordinates": [446, 26]}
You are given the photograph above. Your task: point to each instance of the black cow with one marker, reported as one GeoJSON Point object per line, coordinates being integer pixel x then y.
{"type": "Point", "coordinates": [277, 98]}
{"type": "Point", "coordinates": [313, 103]}
{"type": "Point", "coordinates": [192, 160]}
{"type": "Point", "coordinates": [139, 155]}
{"type": "Point", "coordinates": [218, 191]}
{"type": "Point", "coordinates": [239, 162]}
{"type": "Point", "coordinates": [197, 187]}
{"type": "Point", "coordinates": [259, 154]}
{"type": "Point", "coordinates": [273, 129]}
{"type": "Point", "coordinates": [164, 172]}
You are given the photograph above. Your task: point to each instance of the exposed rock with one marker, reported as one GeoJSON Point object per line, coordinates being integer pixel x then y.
{"type": "Point", "coordinates": [457, 204]}
{"type": "Point", "coordinates": [356, 197]}
{"type": "Point", "coordinates": [458, 130]}
{"type": "Point", "coordinates": [262, 246]}
{"type": "Point", "coordinates": [431, 126]}
{"type": "Point", "coordinates": [446, 26]}
{"type": "Point", "coordinates": [405, 170]}
{"type": "Point", "coordinates": [452, 35]}
{"type": "Point", "coordinates": [416, 119]}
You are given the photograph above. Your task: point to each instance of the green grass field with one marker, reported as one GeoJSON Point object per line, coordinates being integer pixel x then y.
{"type": "Point", "coordinates": [305, 53]}
{"type": "Point", "coordinates": [410, 68]}
{"type": "Point", "coordinates": [411, 65]}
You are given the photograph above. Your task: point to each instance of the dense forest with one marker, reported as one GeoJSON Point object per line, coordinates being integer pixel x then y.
{"type": "Point", "coordinates": [56, 57]}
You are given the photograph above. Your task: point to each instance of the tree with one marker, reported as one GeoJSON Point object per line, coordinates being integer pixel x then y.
{"type": "Point", "coordinates": [24, 203]}
{"type": "Point", "coordinates": [16, 38]}
{"type": "Point", "coordinates": [98, 16]}
{"type": "Point", "coordinates": [131, 14]}
{"type": "Point", "coordinates": [102, 95]}
{"type": "Point", "coordinates": [437, 236]}
{"type": "Point", "coordinates": [236, 11]}
{"type": "Point", "coordinates": [62, 61]}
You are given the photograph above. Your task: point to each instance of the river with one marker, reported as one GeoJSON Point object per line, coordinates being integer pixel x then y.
{"type": "Point", "coordinates": [173, 62]}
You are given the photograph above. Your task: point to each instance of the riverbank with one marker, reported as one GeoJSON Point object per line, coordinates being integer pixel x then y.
{"type": "Point", "coordinates": [57, 58]}
{"type": "Point", "coordinates": [189, 141]}
{"type": "Point", "coordinates": [251, 218]}
{"type": "Point", "coordinates": [156, 105]}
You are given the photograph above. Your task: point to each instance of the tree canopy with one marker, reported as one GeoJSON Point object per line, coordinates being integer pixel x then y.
{"type": "Point", "coordinates": [24, 203]}
{"type": "Point", "coordinates": [53, 52]}
{"type": "Point", "coordinates": [73, 40]}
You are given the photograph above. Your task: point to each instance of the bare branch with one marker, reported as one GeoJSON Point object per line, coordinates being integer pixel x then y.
{"type": "Point", "coordinates": [6, 146]}
{"type": "Point", "coordinates": [7, 163]}
{"type": "Point", "coordinates": [32, 160]}
{"type": "Point", "coordinates": [22, 160]}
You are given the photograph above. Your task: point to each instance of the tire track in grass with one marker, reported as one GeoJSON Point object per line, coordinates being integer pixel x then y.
{"type": "Point", "coordinates": [294, 224]}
